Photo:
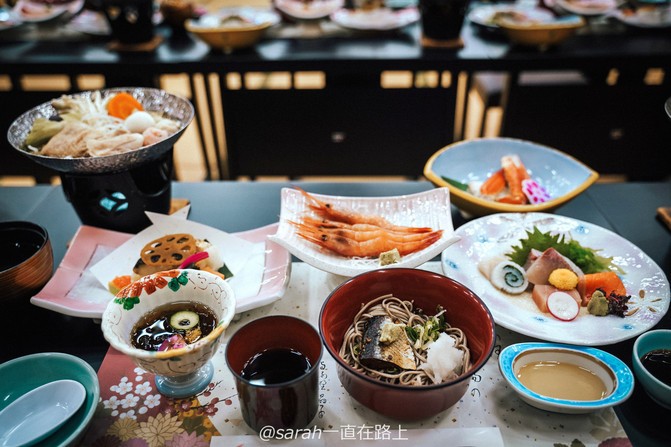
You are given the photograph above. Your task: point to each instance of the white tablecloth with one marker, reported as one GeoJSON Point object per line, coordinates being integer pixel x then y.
{"type": "Point", "coordinates": [489, 412]}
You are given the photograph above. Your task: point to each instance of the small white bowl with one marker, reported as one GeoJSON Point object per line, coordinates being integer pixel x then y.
{"type": "Point", "coordinates": [613, 372]}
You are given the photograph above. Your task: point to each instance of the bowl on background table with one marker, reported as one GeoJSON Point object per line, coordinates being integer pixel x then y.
{"type": "Point", "coordinates": [232, 28]}
{"type": "Point", "coordinates": [471, 162]}
{"type": "Point", "coordinates": [28, 260]}
{"type": "Point", "coordinates": [543, 34]}
{"type": "Point", "coordinates": [427, 290]}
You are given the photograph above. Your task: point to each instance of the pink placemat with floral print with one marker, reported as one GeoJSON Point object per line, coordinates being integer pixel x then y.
{"type": "Point", "coordinates": [131, 412]}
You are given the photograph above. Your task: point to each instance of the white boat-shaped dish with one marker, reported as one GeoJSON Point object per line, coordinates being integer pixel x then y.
{"type": "Point", "coordinates": [494, 234]}
{"type": "Point", "coordinates": [74, 290]}
{"type": "Point", "coordinates": [587, 7]}
{"type": "Point", "coordinates": [37, 12]}
{"type": "Point", "coordinates": [380, 19]}
{"type": "Point", "coordinates": [426, 209]}
{"type": "Point", "coordinates": [613, 372]}
{"type": "Point", "coordinates": [95, 23]}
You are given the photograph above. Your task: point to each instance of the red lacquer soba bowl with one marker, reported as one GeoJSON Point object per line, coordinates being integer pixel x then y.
{"type": "Point", "coordinates": [463, 309]}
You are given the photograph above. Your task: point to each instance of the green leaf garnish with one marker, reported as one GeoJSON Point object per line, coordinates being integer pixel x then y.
{"type": "Point", "coordinates": [455, 183]}
{"type": "Point", "coordinates": [224, 270]}
{"type": "Point", "coordinates": [412, 333]}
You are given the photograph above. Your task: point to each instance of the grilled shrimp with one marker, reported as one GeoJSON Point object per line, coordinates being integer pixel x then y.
{"type": "Point", "coordinates": [368, 248]}
{"type": "Point", "coordinates": [327, 211]}
{"type": "Point", "coordinates": [514, 172]}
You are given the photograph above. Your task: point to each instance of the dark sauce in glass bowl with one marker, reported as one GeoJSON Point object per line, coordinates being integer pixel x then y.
{"type": "Point", "coordinates": [658, 363]}
{"type": "Point", "coordinates": [154, 327]}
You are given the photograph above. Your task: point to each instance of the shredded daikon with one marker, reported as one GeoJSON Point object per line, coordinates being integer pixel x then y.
{"type": "Point", "coordinates": [442, 359]}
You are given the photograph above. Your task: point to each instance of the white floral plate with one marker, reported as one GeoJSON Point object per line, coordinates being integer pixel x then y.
{"type": "Point", "coordinates": [302, 10]}
{"type": "Point", "coordinates": [380, 19]}
{"type": "Point", "coordinates": [650, 17]}
{"type": "Point", "coordinates": [38, 12]}
{"type": "Point", "coordinates": [587, 7]}
{"type": "Point", "coordinates": [426, 209]}
{"type": "Point", "coordinates": [496, 233]}
{"type": "Point", "coordinates": [74, 290]}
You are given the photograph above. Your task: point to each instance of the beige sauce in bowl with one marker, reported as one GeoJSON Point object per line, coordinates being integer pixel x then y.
{"type": "Point", "coordinates": [562, 380]}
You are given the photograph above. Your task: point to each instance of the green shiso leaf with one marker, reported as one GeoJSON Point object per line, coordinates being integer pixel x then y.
{"type": "Point", "coordinates": [455, 183]}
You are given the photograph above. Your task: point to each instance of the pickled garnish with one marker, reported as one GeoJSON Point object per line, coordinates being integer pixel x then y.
{"type": "Point", "coordinates": [184, 320]}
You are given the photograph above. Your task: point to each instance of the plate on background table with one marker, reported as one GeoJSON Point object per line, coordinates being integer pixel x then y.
{"type": "Point", "coordinates": [380, 19]}
{"type": "Point", "coordinates": [9, 19]}
{"type": "Point", "coordinates": [38, 11]}
{"type": "Point", "coordinates": [75, 291]}
{"type": "Point", "coordinates": [425, 209]}
{"type": "Point", "coordinates": [95, 23]}
{"type": "Point", "coordinates": [587, 7]}
{"type": "Point", "coordinates": [308, 10]}
{"type": "Point", "coordinates": [649, 16]}
{"type": "Point", "coordinates": [493, 234]}
{"type": "Point", "coordinates": [486, 15]}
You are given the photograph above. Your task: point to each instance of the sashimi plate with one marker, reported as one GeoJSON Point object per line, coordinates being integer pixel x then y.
{"type": "Point", "coordinates": [74, 289]}
{"type": "Point", "coordinates": [299, 9]}
{"type": "Point", "coordinates": [425, 209]}
{"type": "Point", "coordinates": [380, 19]}
{"type": "Point", "coordinates": [497, 233]}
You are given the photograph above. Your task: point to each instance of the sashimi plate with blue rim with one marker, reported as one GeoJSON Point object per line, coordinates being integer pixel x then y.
{"type": "Point", "coordinates": [496, 234]}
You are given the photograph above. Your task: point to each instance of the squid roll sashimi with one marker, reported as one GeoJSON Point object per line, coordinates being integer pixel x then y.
{"type": "Point", "coordinates": [509, 277]}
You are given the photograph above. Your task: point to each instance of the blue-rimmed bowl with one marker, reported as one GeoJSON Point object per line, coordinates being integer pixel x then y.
{"type": "Point", "coordinates": [613, 372]}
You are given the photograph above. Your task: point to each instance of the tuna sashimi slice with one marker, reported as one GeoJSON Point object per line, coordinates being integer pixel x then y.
{"type": "Point", "coordinates": [539, 271]}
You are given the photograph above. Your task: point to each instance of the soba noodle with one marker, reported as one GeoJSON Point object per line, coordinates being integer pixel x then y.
{"type": "Point", "coordinates": [402, 312]}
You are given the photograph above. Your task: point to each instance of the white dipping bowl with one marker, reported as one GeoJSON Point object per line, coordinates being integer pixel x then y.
{"type": "Point", "coordinates": [613, 372]}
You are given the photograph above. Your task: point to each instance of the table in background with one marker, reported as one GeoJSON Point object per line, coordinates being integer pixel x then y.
{"type": "Point", "coordinates": [628, 209]}
{"type": "Point", "coordinates": [354, 126]}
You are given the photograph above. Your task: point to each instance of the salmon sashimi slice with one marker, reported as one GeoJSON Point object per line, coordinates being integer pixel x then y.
{"type": "Point", "coordinates": [607, 281]}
